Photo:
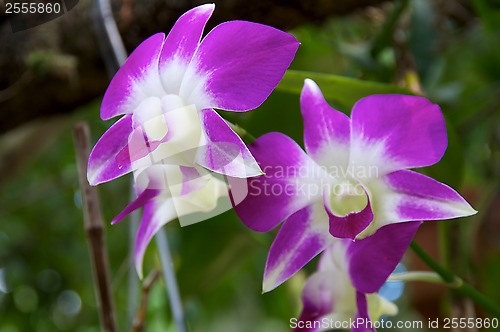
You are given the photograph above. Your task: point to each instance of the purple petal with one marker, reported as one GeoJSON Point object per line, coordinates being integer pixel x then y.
{"type": "Point", "coordinates": [362, 316]}
{"type": "Point", "coordinates": [192, 180]}
{"type": "Point", "coordinates": [395, 132]}
{"type": "Point", "coordinates": [225, 152]}
{"type": "Point", "coordinates": [419, 197]}
{"type": "Point", "coordinates": [237, 65]}
{"type": "Point", "coordinates": [273, 197]}
{"type": "Point", "coordinates": [326, 130]}
{"type": "Point", "coordinates": [372, 259]}
{"type": "Point", "coordinates": [352, 224]}
{"type": "Point", "coordinates": [180, 45]}
{"type": "Point", "coordinates": [137, 79]}
{"type": "Point", "coordinates": [146, 196]}
{"type": "Point", "coordinates": [155, 215]}
{"type": "Point", "coordinates": [302, 236]}
{"type": "Point", "coordinates": [317, 298]}
{"type": "Point", "coordinates": [103, 165]}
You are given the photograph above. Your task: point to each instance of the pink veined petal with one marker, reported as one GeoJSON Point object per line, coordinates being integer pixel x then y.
{"type": "Point", "coordinates": [237, 65]}
{"type": "Point", "coordinates": [317, 299]}
{"type": "Point", "coordinates": [372, 259]}
{"type": "Point", "coordinates": [273, 197]}
{"type": "Point", "coordinates": [326, 130]}
{"type": "Point", "coordinates": [224, 152]}
{"type": "Point", "coordinates": [363, 314]}
{"type": "Point", "coordinates": [302, 236]}
{"type": "Point", "coordinates": [395, 132]}
{"type": "Point", "coordinates": [146, 196]}
{"type": "Point", "coordinates": [136, 80]}
{"type": "Point", "coordinates": [350, 225]}
{"type": "Point", "coordinates": [180, 45]}
{"type": "Point", "coordinates": [410, 196]}
{"type": "Point", "coordinates": [103, 166]}
{"type": "Point", "coordinates": [155, 215]}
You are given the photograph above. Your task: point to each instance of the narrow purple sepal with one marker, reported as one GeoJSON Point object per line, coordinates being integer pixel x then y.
{"type": "Point", "coordinates": [125, 93]}
{"type": "Point", "coordinates": [420, 197]}
{"type": "Point", "coordinates": [155, 215]}
{"type": "Point", "coordinates": [224, 152]}
{"type": "Point", "coordinates": [298, 241]}
{"type": "Point", "coordinates": [103, 166]}
{"type": "Point", "coordinates": [146, 196]}
{"type": "Point", "coordinates": [362, 316]}
{"type": "Point", "coordinates": [184, 37]}
{"type": "Point", "coordinates": [326, 130]}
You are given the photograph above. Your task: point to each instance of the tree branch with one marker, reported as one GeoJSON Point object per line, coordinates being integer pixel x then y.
{"type": "Point", "coordinates": [62, 56]}
{"type": "Point", "coordinates": [94, 228]}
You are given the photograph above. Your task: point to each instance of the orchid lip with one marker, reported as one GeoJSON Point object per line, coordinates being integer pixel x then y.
{"type": "Point", "coordinates": [345, 197]}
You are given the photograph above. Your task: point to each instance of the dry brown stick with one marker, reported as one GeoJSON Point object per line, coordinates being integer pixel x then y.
{"type": "Point", "coordinates": [94, 228]}
{"type": "Point", "coordinates": [138, 324]}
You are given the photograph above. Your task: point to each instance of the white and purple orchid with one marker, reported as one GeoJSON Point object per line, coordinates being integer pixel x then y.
{"type": "Point", "coordinates": [353, 180]}
{"type": "Point", "coordinates": [168, 87]}
{"type": "Point", "coordinates": [170, 134]}
{"type": "Point", "coordinates": [342, 293]}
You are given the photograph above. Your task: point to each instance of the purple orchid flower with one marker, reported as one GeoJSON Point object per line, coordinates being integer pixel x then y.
{"type": "Point", "coordinates": [343, 291]}
{"type": "Point", "coordinates": [167, 90]}
{"type": "Point", "coordinates": [170, 135]}
{"type": "Point", "coordinates": [353, 180]}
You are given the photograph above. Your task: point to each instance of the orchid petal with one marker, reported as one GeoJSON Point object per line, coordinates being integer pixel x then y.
{"type": "Point", "coordinates": [410, 196]}
{"type": "Point", "coordinates": [374, 258]}
{"type": "Point", "coordinates": [326, 130]}
{"type": "Point", "coordinates": [317, 298]}
{"type": "Point", "coordinates": [146, 196]}
{"type": "Point", "coordinates": [237, 65]}
{"type": "Point", "coordinates": [155, 215]}
{"type": "Point", "coordinates": [423, 198]}
{"type": "Point", "coordinates": [395, 132]}
{"type": "Point", "coordinates": [136, 80]}
{"type": "Point", "coordinates": [192, 180]}
{"type": "Point", "coordinates": [225, 152]}
{"type": "Point", "coordinates": [362, 316]}
{"type": "Point", "coordinates": [103, 164]}
{"type": "Point", "coordinates": [180, 45]}
{"type": "Point", "coordinates": [273, 197]}
{"type": "Point", "coordinates": [302, 236]}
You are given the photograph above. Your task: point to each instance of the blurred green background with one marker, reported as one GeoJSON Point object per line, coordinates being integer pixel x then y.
{"type": "Point", "coordinates": [454, 53]}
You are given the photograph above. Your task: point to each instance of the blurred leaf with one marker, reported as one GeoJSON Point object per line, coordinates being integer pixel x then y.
{"type": "Point", "coordinates": [344, 90]}
{"type": "Point", "coordinates": [450, 169]}
{"type": "Point", "coordinates": [489, 13]}
{"type": "Point", "coordinates": [385, 37]}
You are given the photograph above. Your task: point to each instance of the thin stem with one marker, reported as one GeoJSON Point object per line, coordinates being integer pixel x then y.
{"type": "Point", "coordinates": [94, 229]}
{"type": "Point", "coordinates": [133, 279]}
{"type": "Point", "coordinates": [464, 288]}
{"type": "Point", "coordinates": [139, 320]}
{"type": "Point", "coordinates": [170, 280]}
{"type": "Point", "coordinates": [249, 138]}
{"type": "Point", "coordinates": [425, 276]}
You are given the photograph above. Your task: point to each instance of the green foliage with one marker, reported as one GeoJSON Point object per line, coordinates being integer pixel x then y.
{"type": "Point", "coordinates": [43, 254]}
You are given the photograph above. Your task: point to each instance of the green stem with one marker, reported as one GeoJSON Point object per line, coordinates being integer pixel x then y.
{"type": "Point", "coordinates": [462, 288]}
{"type": "Point", "coordinates": [249, 138]}
{"type": "Point", "coordinates": [425, 276]}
